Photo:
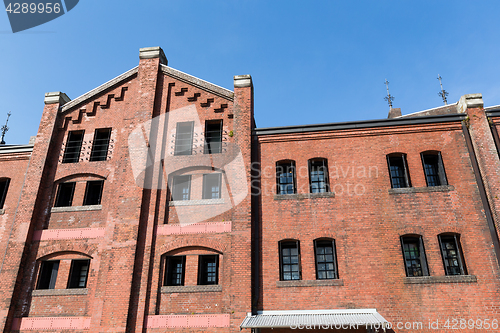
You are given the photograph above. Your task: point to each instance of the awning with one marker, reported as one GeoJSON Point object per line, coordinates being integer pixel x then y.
{"type": "Point", "coordinates": [335, 319]}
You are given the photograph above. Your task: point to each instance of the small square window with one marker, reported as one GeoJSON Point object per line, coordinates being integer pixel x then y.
{"type": "Point", "coordinates": [93, 192]}
{"type": "Point", "coordinates": [78, 273]}
{"type": "Point", "coordinates": [100, 144]}
{"type": "Point", "coordinates": [48, 274]}
{"type": "Point", "coordinates": [414, 256]}
{"type": "Point", "coordinates": [285, 177]}
{"type": "Point", "coordinates": [213, 137]}
{"type": "Point", "coordinates": [452, 255]}
{"type": "Point", "coordinates": [184, 138]}
{"type": "Point", "coordinates": [73, 147]}
{"type": "Point", "coordinates": [64, 196]}
{"type": "Point", "coordinates": [289, 260]}
{"type": "Point", "coordinates": [326, 266]}
{"type": "Point", "coordinates": [211, 186]}
{"type": "Point", "coordinates": [398, 170]}
{"type": "Point", "coordinates": [208, 269]}
{"type": "Point", "coordinates": [174, 270]}
{"type": "Point", "coordinates": [180, 187]}
{"type": "Point", "coordinates": [4, 187]}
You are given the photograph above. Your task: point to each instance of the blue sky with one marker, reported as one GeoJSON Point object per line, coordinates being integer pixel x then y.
{"type": "Point", "coordinates": [311, 61]}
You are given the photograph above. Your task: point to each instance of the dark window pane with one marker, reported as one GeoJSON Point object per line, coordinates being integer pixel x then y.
{"type": "Point", "coordinates": [452, 257]}
{"type": "Point", "coordinates": [73, 147]}
{"type": "Point", "coordinates": [64, 196]}
{"type": "Point", "coordinates": [318, 176]}
{"type": "Point", "coordinates": [434, 170]}
{"type": "Point", "coordinates": [289, 255]}
{"type": "Point", "coordinates": [79, 273]}
{"type": "Point", "coordinates": [100, 144]}
{"type": "Point", "coordinates": [285, 177]}
{"type": "Point", "coordinates": [413, 255]}
{"type": "Point", "coordinates": [397, 169]}
{"type": "Point", "coordinates": [325, 260]}
{"type": "Point", "coordinates": [208, 269]}
{"type": "Point", "coordinates": [211, 186]}
{"type": "Point", "coordinates": [184, 138]}
{"type": "Point", "coordinates": [175, 268]}
{"type": "Point", "coordinates": [4, 187]}
{"type": "Point", "coordinates": [48, 274]}
{"type": "Point", "coordinates": [180, 187]}
{"type": "Point", "coordinates": [213, 137]}
{"type": "Point", "coordinates": [93, 192]}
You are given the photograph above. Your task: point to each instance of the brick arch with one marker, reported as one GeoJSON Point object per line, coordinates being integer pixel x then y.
{"type": "Point", "coordinates": [449, 229]}
{"type": "Point", "coordinates": [83, 171]}
{"type": "Point", "coordinates": [179, 243]}
{"type": "Point", "coordinates": [90, 251]}
{"type": "Point", "coordinates": [186, 249]}
{"type": "Point", "coordinates": [413, 230]}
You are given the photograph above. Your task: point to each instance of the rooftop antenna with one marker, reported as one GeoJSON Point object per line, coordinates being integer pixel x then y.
{"type": "Point", "coordinates": [388, 98]}
{"type": "Point", "coordinates": [443, 93]}
{"type": "Point", "coordinates": [4, 129]}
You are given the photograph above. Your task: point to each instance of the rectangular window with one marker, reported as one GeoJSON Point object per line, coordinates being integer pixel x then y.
{"type": "Point", "coordinates": [181, 187]}
{"type": "Point", "coordinates": [184, 138]}
{"type": "Point", "coordinates": [289, 261]}
{"type": "Point", "coordinates": [73, 147]}
{"type": "Point", "coordinates": [174, 270]}
{"type": "Point", "coordinates": [414, 256]}
{"type": "Point", "coordinates": [326, 266]}
{"type": "Point", "coordinates": [213, 137]}
{"type": "Point", "coordinates": [78, 273]}
{"type": "Point", "coordinates": [48, 274]}
{"type": "Point", "coordinates": [285, 177]}
{"type": "Point", "coordinates": [211, 186]}
{"type": "Point", "coordinates": [100, 145]}
{"type": "Point", "coordinates": [93, 192]}
{"type": "Point", "coordinates": [398, 171]}
{"type": "Point", "coordinates": [318, 176]}
{"type": "Point", "coordinates": [434, 169]}
{"type": "Point", "coordinates": [208, 269]}
{"type": "Point", "coordinates": [64, 196]}
{"type": "Point", "coordinates": [452, 255]}
{"type": "Point", "coordinates": [4, 187]}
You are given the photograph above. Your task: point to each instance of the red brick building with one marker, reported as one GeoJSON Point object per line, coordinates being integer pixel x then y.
{"type": "Point", "coordinates": [153, 204]}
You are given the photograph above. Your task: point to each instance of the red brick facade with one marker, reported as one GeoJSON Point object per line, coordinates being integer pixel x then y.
{"type": "Point", "coordinates": [199, 254]}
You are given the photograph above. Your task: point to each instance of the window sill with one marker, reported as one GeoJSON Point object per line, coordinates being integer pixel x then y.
{"type": "Point", "coordinates": [76, 208]}
{"type": "Point", "coordinates": [309, 283]}
{"type": "Point", "coordinates": [304, 196]}
{"type": "Point", "coordinates": [2, 211]}
{"type": "Point", "coordinates": [60, 292]}
{"type": "Point", "coordinates": [444, 188]}
{"type": "Point", "coordinates": [441, 279]}
{"type": "Point", "coordinates": [191, 289]}
{"type": "Point", "coordinates": [196, 202]}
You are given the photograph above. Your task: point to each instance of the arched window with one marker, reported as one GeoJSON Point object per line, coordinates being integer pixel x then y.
{"type": "Point", "coordinates": [202, 260]}
{"type": "Point", "coordinates": [398, 170]}
{"type": "Point", "coordinates": [94, 185]}
{"type": "Point", "coordinates": [433, 168]}
{"type": "Point", "coordinates": [318, 175]}
{"type": "Point", "coordinates": [452, 254]}
{"type": "Point", "coordinates": [326, 259]}
{"type": "Point", "coordinates": [285, 177]}
{"type": "Point", "coordinates": [414, 255]}
{"type": "Point", "coordinates": [289, 260]}
{"type": "Point", "coordinates": [78, 266]}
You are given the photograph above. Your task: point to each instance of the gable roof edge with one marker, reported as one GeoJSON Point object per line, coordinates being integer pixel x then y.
{"type": "Point", "coordinates": [198, 83]}
{"type": "Point", "coordinates": [100, 89]}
